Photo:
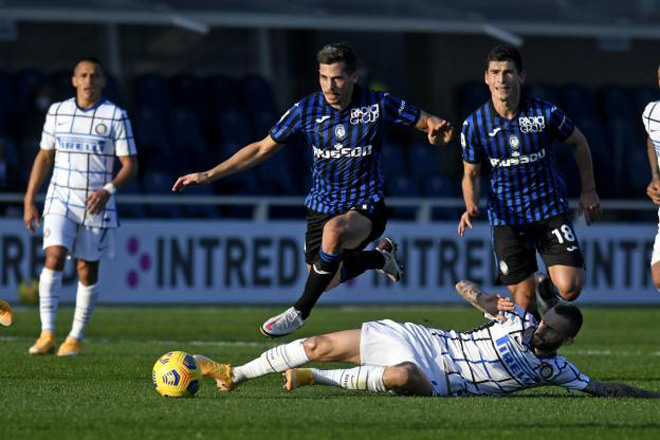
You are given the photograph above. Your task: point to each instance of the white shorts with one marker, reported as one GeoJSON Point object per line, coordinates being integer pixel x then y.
{"type": "Point", "coordinates": [82, 242]}
{"type": "Point", "coordinates": [387, 343]}
{"type": "Point", "coordinates": [656, 245]}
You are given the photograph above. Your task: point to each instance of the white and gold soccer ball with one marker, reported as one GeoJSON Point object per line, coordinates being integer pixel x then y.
{"type": "Point", "coordinates": [176, 374]}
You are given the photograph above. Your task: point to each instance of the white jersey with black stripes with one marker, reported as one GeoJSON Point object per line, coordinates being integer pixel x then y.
{"type": "Point", "coordinates": [86, 143]}
{"type": "Point", "coordinates": [497, 358]}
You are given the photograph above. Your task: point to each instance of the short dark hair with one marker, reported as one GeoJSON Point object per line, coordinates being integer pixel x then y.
{"type": "Point", "coordinates": [92, 60]}
{"type": "Point", "coordinates": [338, 53]}
{"type": "Point", "coordinates": [505, 52]}
{"type": "Point", "coordinates": [573, 315]}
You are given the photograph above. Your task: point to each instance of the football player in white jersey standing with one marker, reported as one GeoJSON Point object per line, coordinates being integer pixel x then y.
{"type": "Point", "coordinates": [651, 120]}
{"type": "Point", "coordinates": [80, 140]}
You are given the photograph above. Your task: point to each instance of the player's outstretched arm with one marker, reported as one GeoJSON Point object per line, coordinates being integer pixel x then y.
{"type": "Point", "coordinates": [470, 185]}
{"type": "Point", "coordinates": [489, 304]}
{"type": "Point", "coordinates": [40, 169]}
{"type": "Point", "coordinates": [245, 158]}
{"type": "Point", "coordinates": [605, 389]}
{"type": "Point", "coordinates": [438, 130]}
{"type": "Point", "coordinates": [589, 201]}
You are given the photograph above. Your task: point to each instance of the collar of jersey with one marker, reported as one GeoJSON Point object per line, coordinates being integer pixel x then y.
{"type": "Point", "coordinates": [521, 105]}
{"type": "Point", "coordinates": [94, 107]}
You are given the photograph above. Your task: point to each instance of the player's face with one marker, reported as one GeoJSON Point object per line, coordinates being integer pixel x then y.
{"type": "Point", "coordinates": [336, 84]}
{"type": "Point", "coordinates": [88, 79]}
{"type": "Point", "coordinates": [503, 80]}
{"type": "Point", "coordinates": [552, 332]}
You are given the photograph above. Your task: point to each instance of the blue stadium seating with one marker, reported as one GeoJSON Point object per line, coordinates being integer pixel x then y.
{"type": "Point", "coordinates": [393, 159]}
{"type": "Point", "coordinates": [222, 93]}
{"type": "Point", "coordinates": [186, 131]}
{"type": "Point", "coordinates": [132, 210]}
{"type": "Point", "coordinates": [257, 94]}
{"type": "Point", "coordinates": [151, 91]}
{"type": "Point", "coordinates": [112, 91]}
{"type": "Point", "coordinates": [577, 101]}
{"type": "Point", "coordinates": [187, 92]}
{"type": "Point", "coordinates": [402, 186]}
{"type": "Point", "coordinates": [150, 130]}
{"type": "Point", "coordinates": [642, 96]}
{"type": "Point", "coordinates": [423, 160]}
{"type": "Point", "coordinates": [234, 127]}
{"type": "Point", "coordinates": [544, 92]}
{"type": "Point", "coordinates": [60, 85]}
{"type": "Point", "coordinates": [26, 83]}
{"type": "Point", "coordinates": [6, 92]}
{"type": "Point", "coordinates": [617, 103]}
{"type": "Point", "coordinates": [160, 183]}
{"type": "Point", "coordinates": [275, 176]}
{"type": "Point", "coordinates": [471, 96]}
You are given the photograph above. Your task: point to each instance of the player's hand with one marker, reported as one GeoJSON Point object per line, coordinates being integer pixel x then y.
{"type": "Point", "coordinates": [590, 206]}
{"type": "Point", "coordinates": [440, 131]}
{"type": "Point", "coordinates": [653, 191]}
{"type": "Point", "coordinates": [466, 220]}
{"type": "Point", "coordinates": [192, 179]}
{"type": "Point", "coordinates": [31, 218]}
{"type": "Point", "coordinates": [499, 303]}
{"type": "Point", "coordinates": [96, 201]}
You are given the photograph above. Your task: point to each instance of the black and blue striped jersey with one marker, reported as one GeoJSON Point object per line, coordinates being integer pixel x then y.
{"type": "Point", "coordinates": [525, 186]}
{"type": "Point", "coordinates": [346, 145]}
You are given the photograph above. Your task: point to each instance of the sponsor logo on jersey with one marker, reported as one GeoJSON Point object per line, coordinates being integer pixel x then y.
{"type": "Point", "coordinates": [531, 124]}
{"type": "Point", "coordinates": [495, 131]}
{"type": "Point", "coordinates": [365, 115]}
{"type": "Point", "coordinates": [513, 364]}
{"type": "Point", "coordinates": [321, 119]}
{"type": "Point", "coordinates": [340, 132]}
{"type": "Point", "coordinates": [340, 151]}
{"type": "Point", "coordinates": [93, 145]}
{"type": "Point", "coordinates": [518, 159]}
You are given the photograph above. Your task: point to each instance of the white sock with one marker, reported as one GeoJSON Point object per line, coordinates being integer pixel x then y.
{"type": "Point", "coordinates": [85, 299]}
{"type": "Point", "coordinates": [364, 377]}
{"type": "Point", "coordinates": [275, 360]}
{"type": "Point", "coordinates": [50, 285]}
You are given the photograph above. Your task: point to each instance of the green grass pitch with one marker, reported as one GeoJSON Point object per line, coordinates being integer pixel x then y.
{"type": "Point", "coordinates": [107, 393]}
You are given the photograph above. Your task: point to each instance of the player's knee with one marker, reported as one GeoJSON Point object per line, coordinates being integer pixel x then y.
{"type": "Point", "coordinates": [317, 347]}
{"type": "Point", "coordinates": [55, 261]}
{"type": "Point", "coordinates": [401, 376]}
{"type": "Point", "coordinates": [569, 289]}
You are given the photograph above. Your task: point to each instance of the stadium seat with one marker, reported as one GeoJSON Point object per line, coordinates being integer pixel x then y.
{"type": "Point", "coordinates": [6, 92]}
{"type": "Point", "coordinates": [569, 170]}
{"type": "Point", "coordinates": [404, 187]}
{"type": "Point", "coordinates": [544, 92]}
{"type": "Point", "coordinates": [257, 94]}
{"type": "Point", "coordinates": [243, 183]}
{"type": "Point", "coordinates": [222, 93]}
{"type": "Point", "coordinates": [131, 210]}
{"type": "Point", "coordinates": [160, 183]}
{"type": "Point", "coordinates": [113, 92]}
{"type": "Point", "coordinates": [15, 171]}
{"type": "Point", "coordinates": [441, 186]}
{"type": "Point", "coordinates": [187, 92]}
{"type": "Point", "coordinates": [393, 159]}
{"type": "Point", "coordinates": [275, 176]}
{"type": "Point", "coordinates": [234, 127]}
{"type": "Point", "coordinates": [423, 160]}
{"type": "Point", "coordinates": [577, 101]}
{"type": "Point", "coordinates": [186, 131]}
{"type": "Point", "coordinates": [601, 155]}
{"type": "Point", "coordinates": [471, 96]}
{"type": "Point", "coordinates": [26, 83]}
{"type": "Point", "coordinates": [151, 91]}
{"type": "Point", "coordinates": [61, 87]}
{"type": "Point", "coordinates": [150, 130]}
{"type": "Point", "coordinates": [261, 121]}
{"type": "Point", "coordinates": [617, 103]}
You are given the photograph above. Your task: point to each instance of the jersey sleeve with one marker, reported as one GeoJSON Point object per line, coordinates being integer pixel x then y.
{"type": "Point", "coordinates": [48, 133]}
{"type": "Point", "coordinates": [561, 126]}
{"type": "Point", "coordinates": [564, 374]}
{"type": "Point", "coordinates": [519, 319]}
{"type": "Point", "coordinates": [398, 111]}
{"type": "Point", "coordinates": [123, 136]}
{"type": "Point", "coordinates": [288, 125]}
{"type": "Point", "coordinates": [470, 147]}
{"type": "Point", "coordinates": [651, 118]}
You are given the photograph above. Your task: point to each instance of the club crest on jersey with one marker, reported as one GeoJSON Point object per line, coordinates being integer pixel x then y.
{"type": "Point", "coordinates": [546, 371]}
{"type": "Point", "coordinates": [101, 129]}
{"type": "Point", "coordinates": [503, 267]}
{"type": "Point", "coordinates": [515, 143]}
{"type": "Point", "coordinates": [365, 115]}
{"type": "Point", "coordinates": [531, 124]}
{"type": "Point", "coordinates": [340, 132]}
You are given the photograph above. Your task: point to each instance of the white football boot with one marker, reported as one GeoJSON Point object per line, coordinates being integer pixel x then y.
{"type": "Point", "coordinates": [283, 324]}
{"type": "Point", "coordinates": [387, 247]}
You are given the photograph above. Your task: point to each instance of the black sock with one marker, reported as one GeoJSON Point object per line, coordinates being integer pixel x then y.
{"type": "Point", "coordinates": [323, 270]}
{"type": "Point", "coordinates": [356, 264]}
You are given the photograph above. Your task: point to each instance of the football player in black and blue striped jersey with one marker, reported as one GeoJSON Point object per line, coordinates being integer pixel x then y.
{"type": "Point", "coordinates": [344, 126]}
{"type": "Point", "coordinates": [527, 205]}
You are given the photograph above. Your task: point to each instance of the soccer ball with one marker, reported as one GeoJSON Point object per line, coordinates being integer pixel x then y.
{"type": "Point", "coordinates": [28, 292]}
{"type": "Point", "coordinates": [176, 374]}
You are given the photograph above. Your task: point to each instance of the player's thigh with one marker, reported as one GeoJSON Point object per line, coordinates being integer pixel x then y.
{"type": "Point", "coordinates": [351, 229]}
{"type": "Point", "coordinates": [314, 235]}
{"type": "Point", "coordinates": [515, 254]}
{"type": "Point", "coordinates": [93, 244]}
{"type": "Point", "coordinates": [343, 346]}
{"type": "Point", "coordinates": [59, 238]}
{"type": "Point", "coordinates": [558, 245]}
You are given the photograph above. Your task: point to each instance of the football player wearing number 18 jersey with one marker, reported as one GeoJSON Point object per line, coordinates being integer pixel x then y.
{"type": "Point", "coordinates": [527, 204]}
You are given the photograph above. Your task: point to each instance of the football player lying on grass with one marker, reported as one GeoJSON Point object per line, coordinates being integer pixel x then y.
{"type": "Point", "coordinates": [511, 353]}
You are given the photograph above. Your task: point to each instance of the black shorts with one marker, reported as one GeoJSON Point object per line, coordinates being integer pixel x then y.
{"type": "Point", "coordinates": [376, 212]}
{"type": "Point", "coordinates": [516, 246]}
